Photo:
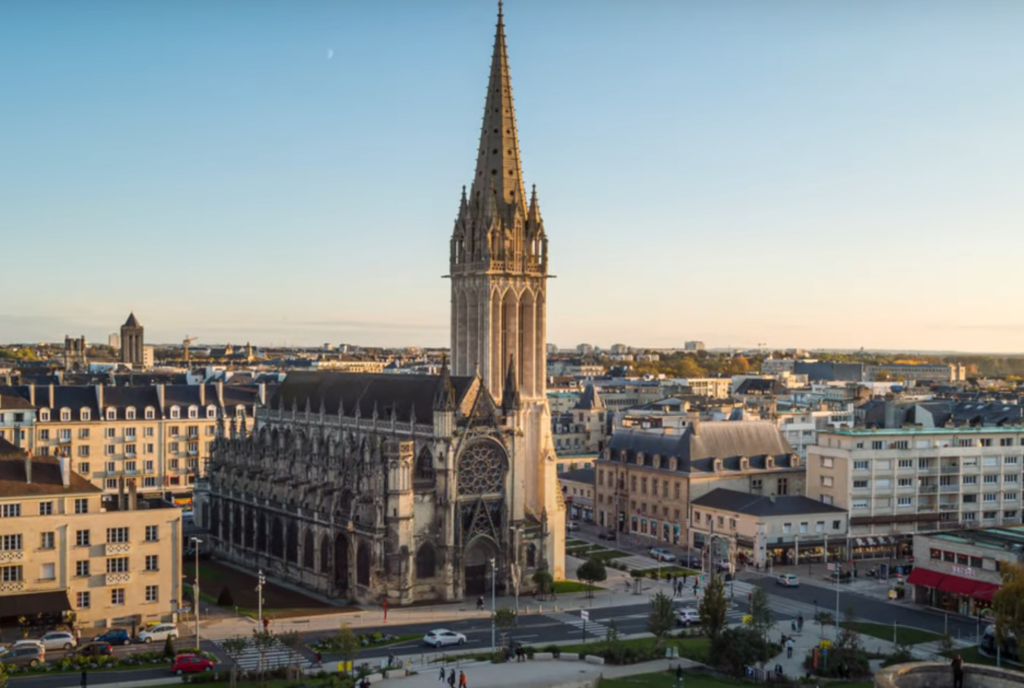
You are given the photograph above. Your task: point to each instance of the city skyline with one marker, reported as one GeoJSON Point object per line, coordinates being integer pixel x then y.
{"type": "Point", "coordinates": [798, 174]}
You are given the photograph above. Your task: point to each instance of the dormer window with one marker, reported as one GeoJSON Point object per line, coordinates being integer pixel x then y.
{"type": "Point", "coordinates": [111, 414]}
{"type": "Point", "coordinates": [211, 411]}
{"type": "Point", "coordinates": [718, 465]}
{"type": "Point", "coordinates": [193, 412]}
{"type": "Point", "coordinates": [744, 463]}
{"type": "Point", "coordinates": [84, 414]}
{"type": "Point", "coordinates": [240, 411]}
{"type": "Point", "coordinates": [44, 414]}
{"type": "Point", "coordinates": [673, 464]}
{"type": "Point", "coordinates": [65, 415]}
{"type": "Point", "coordinates": [150, 413]}
{"type": "Point", "coordinates": [769, 462]}
{"type": "Point", "coordinates": [639, 458]}
{"type": "Point", "coordinates": [794, 461]}
{"type": "Point", "coordinates": [175, 413]}
{"type": "Point", "coordinates": [656, 461]}
{"type": "Point", "coordinates": [129, 413]}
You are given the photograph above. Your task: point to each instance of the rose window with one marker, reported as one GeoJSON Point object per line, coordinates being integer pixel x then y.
{"type": "Point", "coordinates": [482, 469]}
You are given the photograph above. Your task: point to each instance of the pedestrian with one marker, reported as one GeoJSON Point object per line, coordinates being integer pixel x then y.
{"type": "Point", "coordinates": [440, 676]}
{"type": "Point", "coordinates": [480, 603]}
{"type": "Point", "coordinates": [684, 580]}
{"type": "Point", "coordinates": [679, 675]}
{"type": "Point", "coordinates": [957, 664]}
{"type": "Point", "coordinates": [462, 679]}
{"type": "Point", "coordinates": [800, 623]}
{"type": "Point", "coordinates": [789, 649]}
{"type": "Point", "coordinates": [451, 679]}
{"type": "Point", "coordinates": [85, 677]}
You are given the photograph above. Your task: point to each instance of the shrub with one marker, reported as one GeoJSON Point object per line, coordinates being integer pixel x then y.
{"type": "Point", "coordinates": [225, 599]}
{"type": "Point", "coordinates": [169, 648]}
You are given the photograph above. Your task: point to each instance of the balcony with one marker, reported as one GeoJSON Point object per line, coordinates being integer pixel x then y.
{"type": "Point", "coordinates": [929, 489]}
{"type": "Point", "coordinates": [949, 488]}
{"type": "Point", "coordinates": [115, 548]}
{"type": "Point", "coordinates": [946, 470]}
{"type": "Point", "coordinates": [12, 586]}
{"type": "Point", "coordinates": [949, 507]}
{"type": "Point", "coordinates": [64, 440]}
{"type": "Point", "coordinates": [119, 578]}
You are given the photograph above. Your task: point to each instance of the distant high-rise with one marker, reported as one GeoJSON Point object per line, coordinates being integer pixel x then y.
{"type": "Point", "coordinates": [114, 341]}
{"type": "Point", "coordinates": [132, 346]}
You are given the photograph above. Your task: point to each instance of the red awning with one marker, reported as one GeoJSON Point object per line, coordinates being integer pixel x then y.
{"type": "Point", "coordinates": [957, 585]}
{"type": "Point", "coordinates": [984, 591]}
{"type": "Point", "coordinates": [925, 577]}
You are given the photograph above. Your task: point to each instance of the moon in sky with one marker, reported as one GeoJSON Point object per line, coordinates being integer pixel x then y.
{"type": "Point", "coordinates": [330, 53]}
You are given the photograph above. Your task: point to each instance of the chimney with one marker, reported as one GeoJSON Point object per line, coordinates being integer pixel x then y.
{"type": "Point", "coordinates": [32, 394]}
{"type": "Point", "coordinates": [771, 497]}
{"type": "Point", "coordinates": [120, 494]}
{"type": "Point", "coordinates": [220, 393]}
{"type": "Point", "coordinates": [133, 497]}
{"type": "Point", "coordinates": [65, 470]}
{"type": "Point", "coordinates": [695, 424]}
{"type": "Point", "coordinates": [28, 469]}
{"type": "Point", "coordinates": [52, 404]}
{"type": "Point", "coordinates": [202, 394]}
{"type": "Point", "coordinates": [160, 397]}
{"type": "Point", "coordinates": [263, 394]}
{"type": "Point", "coordinates": [99, 399]}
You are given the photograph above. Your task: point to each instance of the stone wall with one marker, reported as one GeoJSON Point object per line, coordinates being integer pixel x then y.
{"type": "Point", "coordinates": [940, 675]}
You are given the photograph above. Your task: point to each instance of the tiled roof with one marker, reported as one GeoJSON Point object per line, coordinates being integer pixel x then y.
{"type": "Point", "coordinates": [580, 475]}
{"type": "Point", "coordinates": [762, 505]}
{"type": "Point", "coordinates": [46, 479]}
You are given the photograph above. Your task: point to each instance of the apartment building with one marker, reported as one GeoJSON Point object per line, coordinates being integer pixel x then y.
{"type": "Point", "coordinates": [900, 481]}
{"type": "Point", "coordinates": [65, 546]}
{"type": "Point", "coordinates": [921, 372]}
{"type": "Point", "coordinates": [584, 428]}
{"type": "Point", "coordinates": [646, 480]}
{"type": "Point", "coordinates": [578, 491]}
{"type": "Point", "coordinates": [159, 434]}
{"type": "Point", "coordinates": [801, 428]}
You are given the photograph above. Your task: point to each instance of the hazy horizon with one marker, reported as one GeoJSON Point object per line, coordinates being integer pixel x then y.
{"type": "Point", "coordinates": [808, 175]}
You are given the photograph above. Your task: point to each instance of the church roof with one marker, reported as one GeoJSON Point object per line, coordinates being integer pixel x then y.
{"type": "Point", "coordinates": [132, 321]}
{"type": "Point", "coordinates": [590, 400]}
{"type": "Point", "coordinates": [406, 394]}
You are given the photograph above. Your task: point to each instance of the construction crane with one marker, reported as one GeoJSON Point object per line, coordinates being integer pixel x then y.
{"type": "Point", "coordinates": [188, 340]}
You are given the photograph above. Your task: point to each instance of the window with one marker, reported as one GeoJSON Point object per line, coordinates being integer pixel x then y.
{"type": "Point", "coordinates": [149, 482]}
{"type": "Point", "coordinates": [900, 444]}
{"type": "Point", "coordinates": [970, 480]}
{"type": "Point", "coordinates": [10, 542]}
{"type": "Point", "coordinates": [1010, 497]}
{"type": "Point", "coordinates": [84, 414]}
{"type": "Point", "coordinates": [1005, 441]}
{"type": "Point", "coordinates": [83, 433]}
{"type": "Point", "coordinates": [83, 467]}
{"type": "Point", "coordinates": [970, 516]}
{"type": "Point", "coordinates": [10, 574]}
{"type": "Point", "coordinates": [193, 464]}
{"type": "Point", "coordinates": [82, 538]}
{"type": "Point", "coordinates": [112, 484]}
{"type": "Point", "coordinates": [44, 414]}
{"type": "Point", "coordinates": [150, 413]}
{"type": "Point", "coordinates": [1010, 460]}
{"type": "Point", "coordinates": [45, 508]}
{"type": "Point", "coordinates": [65, 415]}
{"type": "Point", "coordinates": [903, 501]}
{"type": "Point", "coordinates": [111, 467]}
{"type": "Point", "coordinates": [111, 414]}
{"type": "Point", "coordinates": [193, 448]}
{"type": "Point", "coordinates": [837, 525]}
{"type": "Point", "coordinates": [827, 462]}
{"type": "Point", "coordinates": [906, 463]}
{"type": "Point", "coordinates": [970, 499]}
{"type": "Point", "coordinates": [211, 412]}
{"type": "Point", "coordinates": [109, 433]}
{"type": "Point", "coordinates": [906, 482]}
{"type": "Point", "coordinates": [10, 511]}
{"type": "Point", "coordinates": [860, 465]}
{"type": "Point", "coordinates": [860, 484]}
{"type": "Point", "coordinates": [147, 432]}
{"type": "Point", "coordinates": [152, 533]}
{"type": "Point", "coordinates": [936, 554]}
{"type": "Point", "coordinates": [47, 540]}
{"type": "Point", "coordinates": [1011, 478]}
{"type": "Point", "coordinates": [117, 596]}
{"type": "Point", "coordinates": [81, 506]}
{"type": "Point", "coordinates": [129, 414]}
{"type": "Point", "coordinates": [192, 431]}
{"type": "Point", "coordinates": [175, 430]}
{"type": "Point", "coordinates": [175, 413]}
{"type": "Point", "coordinates": [826, 481]}
{"type": "Point", "coordinates": [151, 593]}
{"type": "Point", "coordinates": [193, 412]}
{"type": "Point", "coordinates": [819, 527]}
{"type": "Point", "coordinates": [1010, 514]}
{"type": "Point", "coordinates": [108, 450]}
{"type": "Point", "coordinates": [117, 565]}
{"type": "Point", "coordinates": [643, 486]}
{"type": "Point", "coordinates": [783, 486]}
{"type": "Point", "coordinates": [117, 535]}
{"type": "Point", "coordinates": [147, 466]}
{"type": "Point", "coordinates": [678, 488]}
{"type": "Point", "coordinates": [990, 515]}
{"type": "Point", "coordinates": [787, 528]}
{"type": "Point", "coordinates": [860, 504]}
{"type": "Point", "coordinates": [756, 483]}
{"type": "Point", "coordinates": [82, 568]}
{"type": "Point", "coordinates": [44, 435]}
{"type": "Point", "coordinates": [803, 527]}
{"type": "Point", "coordinates": [151, 562]}
{"type": "Point", "coordinates": [47, 573]}
{"type": "Point", "coordinates": [173, 463]}
{"type": "Point", "coordinates": [173, 446]}
{"type": "Point", "coordinates": [129, 466]}
{"type": "Point", "coordinates": [147, 448]}
{"type": "Point", "coordinates": [878, 444]}
{"type": "Point", "coordinates": [991, 479]}
{"type": "Point", "coordinates": [969, 442]}
{"type": "Point", "coordinates": [83, 451]}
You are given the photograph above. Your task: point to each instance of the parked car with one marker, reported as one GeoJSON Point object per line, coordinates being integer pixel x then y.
{"type": "Point", "coordinates": [788, 580]}
{"type": "Point", "coordinates": [115, 636]}
{"type": "Point", "coordinates": [59, 640]}
{"type": "Point", "coordinates": [94, 650]}
{"type": "Point", "coordinates": [572, 525]}
{"type": "Point", "coordinates": [606, 535]}
{"type": "Point", "coordinates": [23, 656]}
{"type": "Point", "coordinates": [687, 616]}
{"type": "Point", "coordinates": [37, 642]}
{"type": "Point", "coordinates": [662, 554]}
{"type": "Point", "coordinates": [442, 636]}
{"type": "Point", "coordinates": [191, 664]}
{"type": "Point", "coordinates": [160, 633]}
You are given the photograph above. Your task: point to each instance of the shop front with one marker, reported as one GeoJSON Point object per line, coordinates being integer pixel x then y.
{"type": "Point", "coordinates": [957, 594]}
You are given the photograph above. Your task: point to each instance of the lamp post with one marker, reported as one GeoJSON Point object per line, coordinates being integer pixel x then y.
{"type": "Point", "coordinates": [494, 582]}
{"type": "Point", "coordinates": [196, 542]}
{"type": "Point", "coordinates": [259, 600]}
{"type": "Point", "coordinates": [516, 572]}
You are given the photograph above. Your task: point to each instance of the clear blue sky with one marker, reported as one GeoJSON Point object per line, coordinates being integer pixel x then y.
{"type": "Point", "coordinates": [839, 174]}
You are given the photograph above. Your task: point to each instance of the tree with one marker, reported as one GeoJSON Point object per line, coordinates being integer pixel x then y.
{"type": "Point", "coordinates": [638, 576]}
{"type": "Point", "coordinates": [169, 648]}
{"type": "Point", "coordinates": [293, 641]}
{"type": "Point", "coordinates": [761, 618]}
{"type": "Point", "coordinates": [263, 641]}
{"type": "Point", "coordinates": [661, 619]}
{"type": "Point", "coordinates": [543, 579]}
{"type": "Point", "coordinates": [738, 648]}
{"type": "Point", "coordinates": [235, 647]}
{"type": "Point", "coordinates": [504, 618]}
{"type": "Point", "coordinates": [225, 599]}
{"type": "Point", "coordinates": [1006, 603]}
{"type": "Point", "coordinates": [713, 607]}
{"type": "Point", "coordinates": [348, 644]}
{"type": "Point", "coordinates": [592, 571]}
{"type": "Point", "coordinates": [3, 676]}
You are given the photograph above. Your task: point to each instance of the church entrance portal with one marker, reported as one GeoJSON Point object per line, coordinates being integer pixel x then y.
{"type": "Point", "coordinates": [477, 565]}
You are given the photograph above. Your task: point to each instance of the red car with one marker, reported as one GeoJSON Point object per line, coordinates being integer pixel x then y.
{"type": "Point", "coordinates": [191, 664]}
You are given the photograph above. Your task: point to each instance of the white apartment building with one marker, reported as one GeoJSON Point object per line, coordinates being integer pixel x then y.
{"type": "Point", "coordinates": [896, 482]}
{"type": "Point", "coordinates": [801, 428]}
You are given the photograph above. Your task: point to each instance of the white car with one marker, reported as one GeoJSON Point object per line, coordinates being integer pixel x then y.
{"type": "Point", "coordinates": [662, 554]}
{"type": "Point", "coordinates": [28, 641]}
{"type": "Point", "coordinates": [788, 580]}
{"type": "Point", "coordinates": [687, 616]}
{"type": "Point", "coordinates": [159, 633]}
{"type": "Point", "coordinates": [442, 636]}
{"type": "Point", "coordinates": [58, 640]}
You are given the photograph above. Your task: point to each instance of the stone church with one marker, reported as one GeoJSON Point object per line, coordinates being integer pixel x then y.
{"type": "Point", "coordinates": [416, 487]}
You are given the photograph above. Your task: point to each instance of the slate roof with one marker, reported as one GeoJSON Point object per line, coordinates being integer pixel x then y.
{"type": "Point", "coordinates": [590, 400]}
{"type": "Point", "coordinates": [697, 450]}
{"type": "Point", "coordinates": [9, 449]}
{"type": "Point", "coordinates": [760, 386]}
{"type": "Point", "coordinates": [406, 394]}
{"type": "Point", "coordinates": [46, 479]}
{"type": "Point", "coordinates": [763, 505]}
{"type": "Point", "coordinates": [132, 321]}
{"type": "Point", "coordinates": [579, 475]}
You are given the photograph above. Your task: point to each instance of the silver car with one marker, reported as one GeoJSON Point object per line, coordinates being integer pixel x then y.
{"type": "Point", "coordinates": [59, 640]}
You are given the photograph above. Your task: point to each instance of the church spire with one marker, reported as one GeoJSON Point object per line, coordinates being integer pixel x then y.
{"type": "Point", "coordinates": [498, 162]}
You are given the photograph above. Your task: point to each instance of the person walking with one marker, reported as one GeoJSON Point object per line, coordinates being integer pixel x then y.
{"type": "Point", "coordinates": [462, 679]}
{"type": "Point", "coordinates": [789, 648]}
{"type": "Point", "coordinates": [679, 675]}
{"type": "Point", "coordinates": [440, 676]}
{"type": "Point", "coordinates": [451, 679]}
{"type": "Point", "coordinates": [800, 623]}
{"type": "Point", "coordinates": [958, 671]}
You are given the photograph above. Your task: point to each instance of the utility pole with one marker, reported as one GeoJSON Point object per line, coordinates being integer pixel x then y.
{"type": "Point", "coordinates": [494, 586]}
{"type": "Point", "coordinates": [197, 542]}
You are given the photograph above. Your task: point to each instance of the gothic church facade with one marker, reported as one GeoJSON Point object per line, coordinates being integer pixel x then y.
{"type": "Point", "coordinates": [404, 487]}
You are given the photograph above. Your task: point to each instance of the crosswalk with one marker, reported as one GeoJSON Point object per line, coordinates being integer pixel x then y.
{"type": "Point", "coordinates": [593, 627]}
{"type": "Point", "coordinates": [276, 655]}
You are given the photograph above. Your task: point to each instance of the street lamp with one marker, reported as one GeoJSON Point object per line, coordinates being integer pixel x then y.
{"type": "Point", "coordinates": [516, 571]}
{"type": "Point", "coordinates": [259, 602]}
{"type": "Point", "coordinates": [494, 582]}
{"type": "Point", "coordinates": [196, 542]}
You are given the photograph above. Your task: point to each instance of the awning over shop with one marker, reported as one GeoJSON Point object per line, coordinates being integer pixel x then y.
{"type": "Point", "coordinates": [860, 543]}
{"type": "Point", "coordinates": [925, 577]}
{"type": "Point", "coordinates": [30, 604]}
{"type": "Point", "coordinates": [984, 591]}
{"type": "Point", "coordinates": [957, 585]}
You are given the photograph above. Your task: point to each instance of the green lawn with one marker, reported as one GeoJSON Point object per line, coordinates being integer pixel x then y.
{"type": "Point", "coordinates": [562, 587]}
{"type": "Point", "coordinates": [606, 554]}
{"type": "Point", "coordinates": [695, 648]}
{"type": "Point", "coordinates": [667, 571]}
{"type": "Point", "coordinates": [667, 679]}
{"type": "Point", "coordinates": [904, 634]}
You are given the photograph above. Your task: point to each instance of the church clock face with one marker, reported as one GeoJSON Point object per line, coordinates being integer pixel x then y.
{"type": "Point", "coordinates": [482, 468]}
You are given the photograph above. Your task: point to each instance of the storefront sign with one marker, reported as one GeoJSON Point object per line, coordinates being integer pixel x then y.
{"type": "Point", "coordinates": [963, 571]}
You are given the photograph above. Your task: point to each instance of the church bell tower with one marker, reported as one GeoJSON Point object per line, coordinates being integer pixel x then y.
{"type": "Point", "coordinates": [499, 271]}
